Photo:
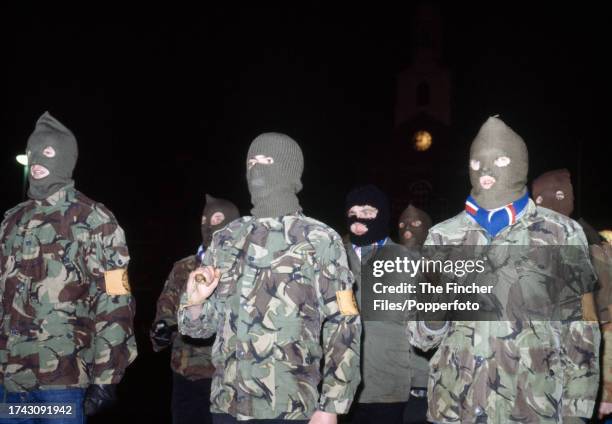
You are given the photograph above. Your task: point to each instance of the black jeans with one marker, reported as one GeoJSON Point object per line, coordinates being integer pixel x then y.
{"type": "Point", "coordinates": [228, 419]}
{"type": "Point", "coordinates": [416, 410]}
{"type": "Point", "coordinates": [190, 400]}
{"type": "Point", "coordinates": [377, 413]}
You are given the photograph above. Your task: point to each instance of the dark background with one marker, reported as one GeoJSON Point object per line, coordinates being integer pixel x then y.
{"type": "Point", "coordinates": [165, 101]}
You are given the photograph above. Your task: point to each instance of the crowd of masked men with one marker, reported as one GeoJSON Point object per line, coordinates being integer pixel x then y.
{"type": "Point", "coordinates": [264, 320]}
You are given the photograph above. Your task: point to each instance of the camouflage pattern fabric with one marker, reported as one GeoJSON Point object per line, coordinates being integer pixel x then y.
{"type": "Point", "coordinates": [601, 255]}
{"type": "Point", "coordinates": [190, 357]}
{"type": "Point", "coordinates": [276, 316]}
{"type": "Point", "coordinates": [606, 364]}
{"type": "Point", "coordinates": [59, 328]}
{"type": "Point", "coordinates": [511, 371]}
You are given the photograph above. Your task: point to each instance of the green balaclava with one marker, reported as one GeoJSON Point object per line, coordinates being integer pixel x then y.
{"type": "Point", "coordinates": [498, 165]}
{"type": "Point", "coordinates": [216, 215]}
{"type": "Point", "coordinates": [274, 171]}
{"type": "Point", "coordinates": [413, 227]}
{"type": "Point", "coordinates": [52, 155]}
{"type": "Point", "coordinates": [553, 190]}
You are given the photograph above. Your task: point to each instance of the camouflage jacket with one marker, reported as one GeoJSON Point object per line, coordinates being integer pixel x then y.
{"type": "Point", "coordinates": [278, 311]}
{"type": "Point", "coordinates": [512, 371]}
{"type": "Point", "coordinates": [66, 317]}
{"type": "Point", "coordinates": [190, 357]}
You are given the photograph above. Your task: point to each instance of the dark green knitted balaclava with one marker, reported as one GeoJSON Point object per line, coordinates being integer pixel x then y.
{"type": "Point", "coordinates": [553, 190]}
{"type": "Point", "coordinates": [413, 227]}
{"type": "Point", "coordinates": [216, 215]}
{"type": "Point", "coordinates": [274, 171]}
{"type": "Point", "coordinates": [498, 165]}
{"type": "Point", "coordinates": [52, 147]}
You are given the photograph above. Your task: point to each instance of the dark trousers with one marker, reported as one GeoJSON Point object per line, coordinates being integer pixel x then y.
{"type": "Point", "coordinates": [190, 400]}
{"type": "Point", "coordinates": [377, 413]}
{"type": "Point", "coordinates": [416, 411]}
{"type": "Point", "coordinates": [228, 419]}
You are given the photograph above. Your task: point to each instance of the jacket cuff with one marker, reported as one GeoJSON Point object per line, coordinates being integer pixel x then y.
{"type": "Point", "coordinates": [578, 407]}
{"type": "Point", "coordinates": [334, 406]}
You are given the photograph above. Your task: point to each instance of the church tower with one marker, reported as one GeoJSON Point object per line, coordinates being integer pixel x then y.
{"type": "Point", "coordinates": [412, 168]}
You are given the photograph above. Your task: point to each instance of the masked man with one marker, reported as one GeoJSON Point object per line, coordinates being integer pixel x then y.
{"type": "Point", "coordinates": [554, 190]}
{"type": "Point", "coordinates": [66, 333]}
{"type": "Point", "coordinates": [413, 226]}
{"type": "Point", "coordinates": [277, 291]}
{"type": "Point", "coordinates": [388, 359]}
{"type": "Point", "coordinates": [535, 371]}
{"type": "Point", "coordinates": [191, 363]}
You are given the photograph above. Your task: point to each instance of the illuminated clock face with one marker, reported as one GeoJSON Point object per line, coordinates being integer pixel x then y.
{"type": "Point", "coordinates": [422, 141]}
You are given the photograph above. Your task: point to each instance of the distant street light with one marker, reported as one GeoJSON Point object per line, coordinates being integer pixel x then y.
{"type": "Point", "coordinates": [23, 160]}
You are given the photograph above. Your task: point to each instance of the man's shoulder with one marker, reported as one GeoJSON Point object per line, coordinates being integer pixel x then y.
{"type": "Point", "coordinates": [313, 230]}
{"type": "Point", "coordinates": [93, 210]}
{"type": "Point", "coordinates": [551, 222]}
{"type": "Point", "coordinates": [452, 225]}
{"type": "Point", "coordinates": [233, 231]}
{"type": "Point", "coordinates": [16, 210]}
{"type": "Point", "coordinates": [553, 218]}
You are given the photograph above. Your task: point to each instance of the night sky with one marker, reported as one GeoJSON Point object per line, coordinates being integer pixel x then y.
{"type": "Point", "coordinates": [164, 102]}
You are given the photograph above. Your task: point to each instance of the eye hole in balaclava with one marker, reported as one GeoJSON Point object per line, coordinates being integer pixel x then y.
{"type": "Point", "coordinates": [367, 212]}
{"type": "Point", "coordinates": [259, 159]}
{"type": "Point", "coordinates": [414, 224]}
{"type": "Point", "coordinates": [498, 165]}
{"type": "Point", "coordinates": [553, 190]}
{"type": "Point", "coordinates": [52, 155]}
{"type": "Point", "coordinates": [274, 171]}
{"type": "Point", "coordinates": [216, 215]}
{"type": "Point", "coordinates": [49, 152]}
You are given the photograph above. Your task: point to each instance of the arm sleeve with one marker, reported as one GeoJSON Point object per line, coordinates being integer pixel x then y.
{"type": "Point", "coordinates": [606, 364]}
{"type": "Point", "coordinates": [581, 338]}
{"type": "Point", "coordinates": [341, 329]}
{"type": "Point", "coordinates": [427, 335]}
{"type": "Point", "coordinates": [167, 304]}
{"type": "Point", "coordinates": [200, 321]}
{"type": "Point", "coordinates": [113, 305]}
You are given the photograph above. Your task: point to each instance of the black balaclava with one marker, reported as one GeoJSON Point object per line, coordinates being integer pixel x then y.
{"type": "Point", "coordinates": [553, 190]}
{"type": "Point", "coordinates": [413, 227]}
{"type": "Point", "coordinates": [54, 147]}
{"type": "Point", "coordinates": [221, 211]}
{"type": "Point", "coordinates": [274, 171]}
{"type": "Point", "coordinates": [494, 145]}
{"type": "Point", "coordinates": [378, 226]}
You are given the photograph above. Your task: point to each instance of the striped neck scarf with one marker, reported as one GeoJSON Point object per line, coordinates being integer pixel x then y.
{"type": "Point", "coordinates": [494, 221]}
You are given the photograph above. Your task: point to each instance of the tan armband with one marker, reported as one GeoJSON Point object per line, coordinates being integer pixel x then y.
{"type": "Point", "coordinates": [116, 282]}
{"type": "Point", "coordinates": [346, 302]}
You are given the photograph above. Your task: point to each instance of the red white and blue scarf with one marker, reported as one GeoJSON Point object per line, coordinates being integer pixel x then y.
{"type": "Point", "coordinates": [494, 221]}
